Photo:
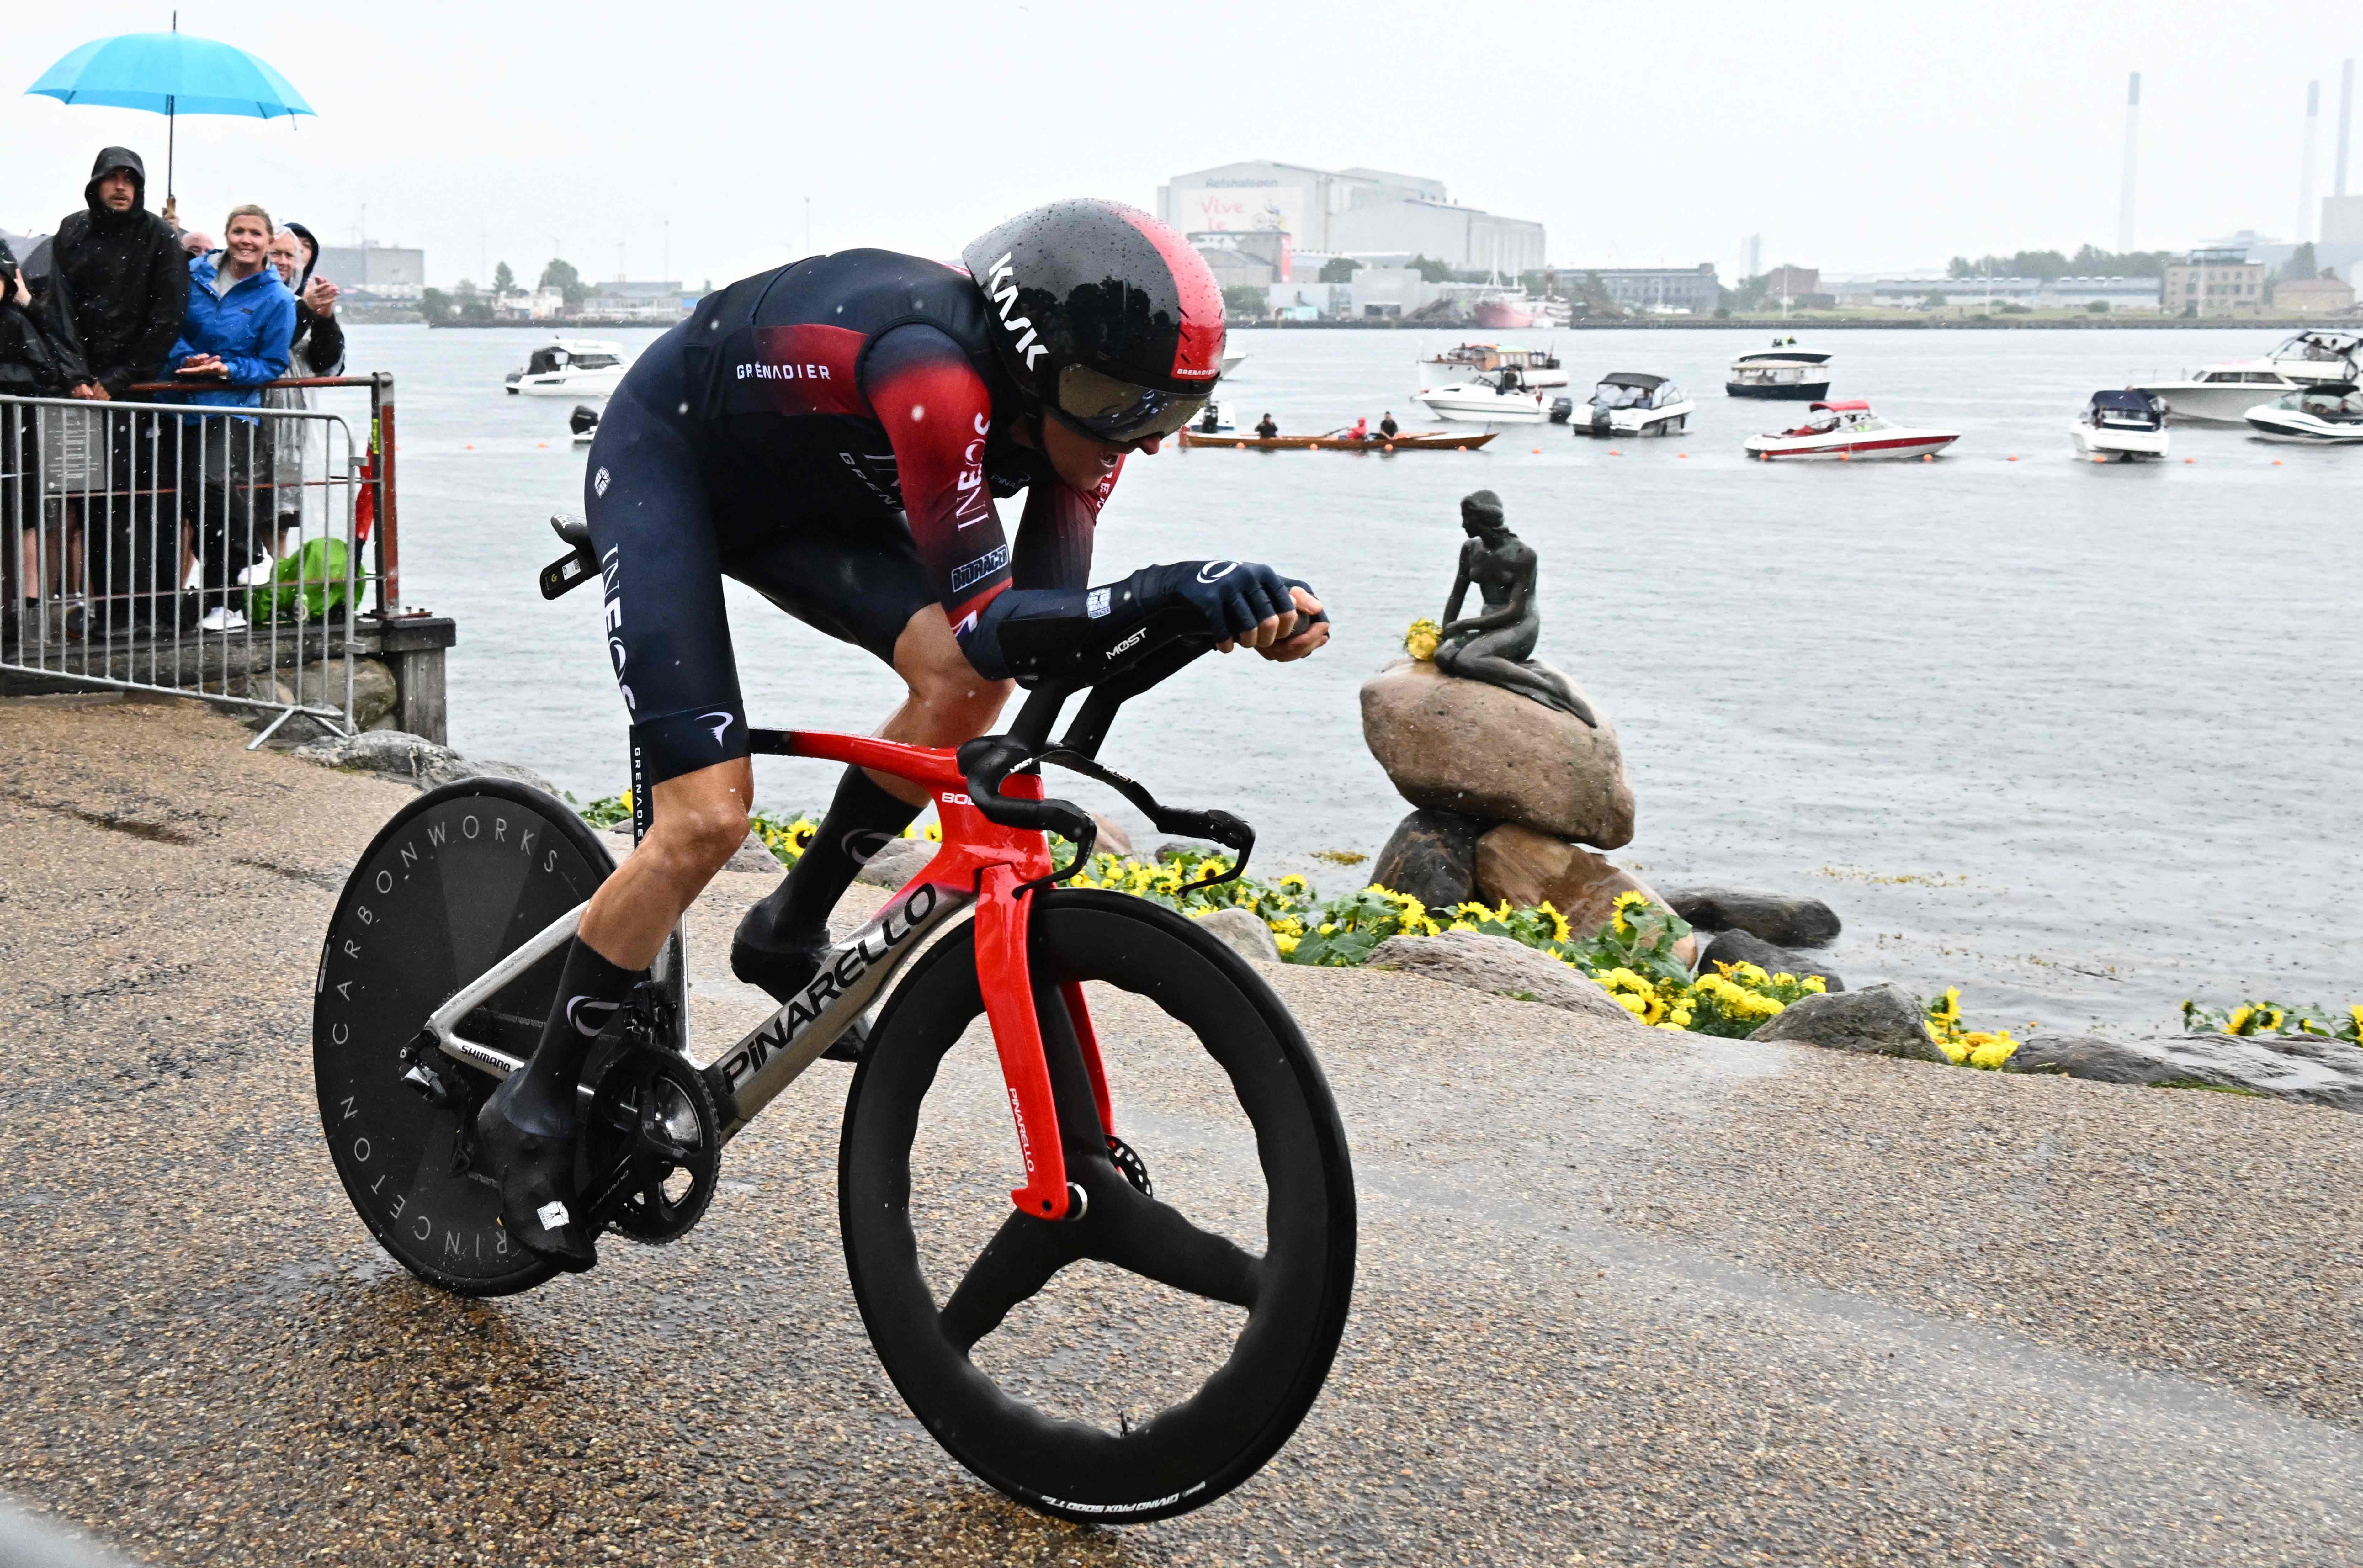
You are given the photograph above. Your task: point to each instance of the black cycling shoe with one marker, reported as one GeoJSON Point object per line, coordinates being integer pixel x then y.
{"type": "Point", "coordinates": [782, 972]}
{"type": "Point", "coordinates": [536, 1170]}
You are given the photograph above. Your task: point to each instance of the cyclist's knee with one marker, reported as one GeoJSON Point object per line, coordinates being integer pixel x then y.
{"type": "Point", "coordinates": [701, 818]}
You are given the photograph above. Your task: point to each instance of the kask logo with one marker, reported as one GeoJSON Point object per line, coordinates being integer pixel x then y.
{"type": "Point", "coordinates": [1000, 288]}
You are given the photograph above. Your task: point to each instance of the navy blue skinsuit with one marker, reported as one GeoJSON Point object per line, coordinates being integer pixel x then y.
{"type": "Point", "coordinates": [833, 434]}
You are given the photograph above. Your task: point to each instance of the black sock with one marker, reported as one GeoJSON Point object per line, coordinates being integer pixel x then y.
{"type": "Point", "coordinates": [857, 826]}
{"type": "Point", "coordinates": [590, 988]}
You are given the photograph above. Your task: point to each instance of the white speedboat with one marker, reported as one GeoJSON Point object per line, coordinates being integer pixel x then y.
{"type": "Point", "coordinates": [1787, 375]}
{"type": "Point", "coordinates": [1498, 399]}
{"type": "Point", "coordinates": [2121, 427]}
{"type": "Point", "coordinates": [2223, 395]}
{"type": "Point", "coordinates": [1536, 366]}
{"type": "Point", "coordinates": [1851, 432]}
{"type": "Point", "coordinates": [570, 367]}
{"type": "Point", "coordinates": [2329, 413]}
{"type": "Point", "coordinates": [1233, 361]}
{"type": "Point", "coordinates": [1628, 402]}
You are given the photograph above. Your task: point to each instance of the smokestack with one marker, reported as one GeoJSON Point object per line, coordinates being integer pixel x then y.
{"type": "Point", "coordinates": [2345, 113]}
{"type": "Point", "coordinates": [2305, 178]}
{"type": "Point", "coordinates": [2133, 128]}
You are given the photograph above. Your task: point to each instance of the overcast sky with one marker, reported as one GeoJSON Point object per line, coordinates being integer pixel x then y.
{"type": "Point", "coordinates": [1852, 138]}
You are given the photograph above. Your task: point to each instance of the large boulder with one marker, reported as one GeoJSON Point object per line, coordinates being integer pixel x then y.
{"type": "Point", "coordinates": [1242, 934]}
{"type": "Point", "coordinates": [1432, 856]}
{"type": "Point", "coordinates": [1782, 921]}
{"type": "Point", "coordinates": [1501, 966]}
{"type": "Point", "coordinates": [412, 759]}
{"type": "Point", "coordinates": [1465, 746]}
{"type": "Point", "coordinates": [1877, 1021]}
{"type": "Point", "coordinates": [1742, 947]}
{"type": "Point", "coordinates": [1526, 868]}
{"type": "Point", "coordinates": [2286, 1066]}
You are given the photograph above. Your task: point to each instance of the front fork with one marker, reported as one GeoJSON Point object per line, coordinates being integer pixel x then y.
{"type": "Point", "coordinates": [1006, 978]}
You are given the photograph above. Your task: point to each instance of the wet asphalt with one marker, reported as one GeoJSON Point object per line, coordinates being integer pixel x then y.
{"type": "Point", "coordinates": [1625, 1296]}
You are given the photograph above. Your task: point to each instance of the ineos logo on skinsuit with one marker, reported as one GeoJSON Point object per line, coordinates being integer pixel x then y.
{"type": "Point", "coordinates": [1214, 572]}
{"type": "Point", "coordinates": [724, 724]}
{"type": "Point", "coordinates": [578, 1012]}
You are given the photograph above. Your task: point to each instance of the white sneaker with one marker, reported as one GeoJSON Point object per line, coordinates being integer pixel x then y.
{"type": "Point", "coordinates": [258, 573]}
{"type": "Point", "coordinates": [222, 618]}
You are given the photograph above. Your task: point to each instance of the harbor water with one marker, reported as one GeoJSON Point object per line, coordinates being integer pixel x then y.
{"type": "Point", "coordinates": [2079, 739]}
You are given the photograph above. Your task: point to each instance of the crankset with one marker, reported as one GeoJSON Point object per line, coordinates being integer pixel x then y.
{"type": "Point", "coordinates": [653, 1145]}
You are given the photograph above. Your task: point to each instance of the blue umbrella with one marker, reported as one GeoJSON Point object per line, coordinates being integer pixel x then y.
{"type": "Point", "coordinates": [171, 75]}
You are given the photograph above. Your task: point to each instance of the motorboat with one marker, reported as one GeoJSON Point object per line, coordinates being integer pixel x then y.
{"type": "Point", "coordinates": [1628, 402]}
{"type": "Point", "coordinates": [570, 367]}
{"type": "Point", "coordinates": [1408, 441]}
{"type": "Point", "coordinates": [2223, 395]}
{"type": "Point", "coordinates": [2328, 413]}
{"type": "Point", "coordinates": [2220, 394]}
{"type": "Point", "coordinates": [1848, 431]}
{"type": "Point", "coordinates": [585, 422]}
{"type": "Point", "coordinates": [2121, 427]}
{"type": "Point", "coordinates": [1213, 418]}
{"type": "Point", "coordinates": [1233, 361]}
{"type": "Point", "coordinates": [1503, 311]}
{"type": "Point", "coordinates": [1501, 397]}
{"type": "Point", "coordinates": [1536, 366]}
{"type": "Point", "coordinates": [1783, 374]}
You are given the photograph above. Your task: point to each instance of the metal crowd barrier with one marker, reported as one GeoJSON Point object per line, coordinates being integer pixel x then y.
{"type": "Point", "coordinates": [221, 553]}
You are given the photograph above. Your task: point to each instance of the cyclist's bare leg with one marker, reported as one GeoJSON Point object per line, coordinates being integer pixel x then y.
{"type": "Point", "coordinates": [780, 940]}
{"type": "Point", "coordinates": [527, 1126]}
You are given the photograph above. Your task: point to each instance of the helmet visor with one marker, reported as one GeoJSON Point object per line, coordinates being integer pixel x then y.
{"type": "Point", "coordinates": [1120, 410]}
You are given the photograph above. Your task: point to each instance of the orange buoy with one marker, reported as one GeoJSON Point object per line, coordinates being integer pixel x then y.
{"type": "Point", "coordinates": [1682, 454]}
{"type": "Point", "coordinates": [2190, 460]}
{"type": "Point", "coordinates": [2098, 458]}
{"type": "Point", "coordinates": [1846, 456]}
{"type": "Point", "coordinates": [2276, 462]}
{"type": "Point", "coordinates": [1614, 453]}
{"type": "Point", "coordinates": [2012, 458]}
{"type": "Point", "coordinates": [1538, 451]}
{"type": "Point", "coordinates": [1928, 457]}
{"type": "Point", "coordinates": [469, 447]}
{"type": "Point", "coordinates": [1460, 448]}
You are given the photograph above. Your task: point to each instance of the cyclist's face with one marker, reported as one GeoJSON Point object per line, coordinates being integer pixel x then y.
{"type": "Point", "coordinates": [1081, 461]}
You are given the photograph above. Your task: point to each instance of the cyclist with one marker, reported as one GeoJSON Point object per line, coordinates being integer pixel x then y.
{"type": "Point", "coordinates": [834, 434]}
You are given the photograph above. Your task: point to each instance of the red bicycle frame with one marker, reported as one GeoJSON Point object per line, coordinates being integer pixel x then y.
{"type": "Point", "coordinates": [994, 864]}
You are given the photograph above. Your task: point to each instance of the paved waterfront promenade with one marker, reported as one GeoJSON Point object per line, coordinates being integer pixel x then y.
{"type": "Point", "coordinates": [1625, 1296]}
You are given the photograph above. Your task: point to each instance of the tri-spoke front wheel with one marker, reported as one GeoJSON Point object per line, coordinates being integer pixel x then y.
{"type": "Point", "coordinates": [1146, 1357]}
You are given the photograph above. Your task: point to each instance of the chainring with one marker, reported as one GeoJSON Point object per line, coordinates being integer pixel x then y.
{"type": "Point", "coordinates": [653, 1145]}
{"type": "Point", "coordinates": [1129, 1161]}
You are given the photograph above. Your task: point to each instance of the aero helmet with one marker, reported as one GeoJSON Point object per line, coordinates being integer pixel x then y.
{"type": "Point", "coordinates": [1104, 316]}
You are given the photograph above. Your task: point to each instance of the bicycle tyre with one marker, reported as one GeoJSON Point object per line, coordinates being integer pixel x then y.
{"type": "Point", "coordinates": [457, 879]}
{"type": "Point", "coordinates": [1199, 1448]}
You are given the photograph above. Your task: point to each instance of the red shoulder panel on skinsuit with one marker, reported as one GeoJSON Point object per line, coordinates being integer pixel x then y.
{"type": "Point", "coordinates": [807, 370]}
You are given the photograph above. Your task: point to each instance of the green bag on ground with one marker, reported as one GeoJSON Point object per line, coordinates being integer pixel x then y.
{"type": "Point", "coordinates": [305, 586]}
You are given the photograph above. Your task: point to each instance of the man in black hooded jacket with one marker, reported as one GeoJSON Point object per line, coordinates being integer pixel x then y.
{"type": "Point", "coordinates": [127, 282]}
{"type": "Point", "coordinates": [126, 276]}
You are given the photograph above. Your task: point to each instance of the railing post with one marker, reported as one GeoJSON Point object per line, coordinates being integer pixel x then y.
{"type": "Point", "coordinates": [382, 441]}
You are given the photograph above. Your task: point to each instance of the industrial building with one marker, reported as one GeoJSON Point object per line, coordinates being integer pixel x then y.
{"type": "Point", "coordinates": [2215, 282]}
{"type": "Point", "coordinates": [1367, 214]}
{"type": "Point", "coordinates": [1675, 290]}
{"type": "Point", "coordinates": [377, 273]}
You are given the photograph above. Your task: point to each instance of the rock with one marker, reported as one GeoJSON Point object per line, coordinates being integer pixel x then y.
{"type": "Point", "coordinates": [753, 855]}
{"type": "Point", "coordinates": [1501, 966]}
{"type": "Point", "coordinates": [1113, 839]}
{"type": "Point", "coordinates": [1743, 947]}
{"type": "Point", "coordinates": [1526, 868]}
{"type": "Point", "coordinates": [1433, 857]}
{"type": "Point", "coordinates": [321, 684]}
{"type": "Point", "coordinates": [2285, 1067]}
{"type": "Point", "coordinates": [412, 759]}
{"type": "Point", "coordinates": [1878, 1021]}
{"type": "Point", "coordinates": [1465, 746]}
{"type": "Point", "coordinates": [1242, 934]}
{"type": "Point", "coordinates": [901, 859]}
{"type": "Point", "coordinates": [1784, 922]}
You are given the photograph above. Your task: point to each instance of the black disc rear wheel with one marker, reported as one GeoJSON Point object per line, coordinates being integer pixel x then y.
{"type": "Point", "coordinates": [458, 880]}
{"type": "Point", "coordinates": [1144, 1358]}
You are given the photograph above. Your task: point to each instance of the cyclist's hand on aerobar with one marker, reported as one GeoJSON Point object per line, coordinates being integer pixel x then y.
{"type": "Point", "coordinates": [1244, 603]}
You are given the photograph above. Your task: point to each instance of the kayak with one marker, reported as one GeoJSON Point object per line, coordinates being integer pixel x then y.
{"type": "Point", "coordinates": [1435, 440]}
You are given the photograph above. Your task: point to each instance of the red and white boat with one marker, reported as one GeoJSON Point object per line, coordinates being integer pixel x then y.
{"type": "Point", "coordinates": [1849, 431]}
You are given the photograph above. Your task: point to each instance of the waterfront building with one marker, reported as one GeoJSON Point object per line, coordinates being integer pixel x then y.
{"type": "Point", "coordinates": [1676, 291]}
{"type": "Point", "coordinates": [2215, 281]}
{"type": "Point", "coordinates": [1789, 282]}
{"type": "Point", "coordinates": [618, 299]}
{"type": "Point", "coordinates": [2313, 298]}
{"type": "Point", "coordinates": [1984, 293]}
{"type": "Point", "coordinates": [377, 274]}
{"type": "Point", "coordinates": [1355, 212]}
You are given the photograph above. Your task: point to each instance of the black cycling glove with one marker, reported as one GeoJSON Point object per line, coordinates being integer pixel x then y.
{"type": "Point", "coordinates": [1078, 635]}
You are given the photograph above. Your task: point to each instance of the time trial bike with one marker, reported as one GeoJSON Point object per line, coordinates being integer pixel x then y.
{"type": "Point", "coordinates": [1082, 1343]}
